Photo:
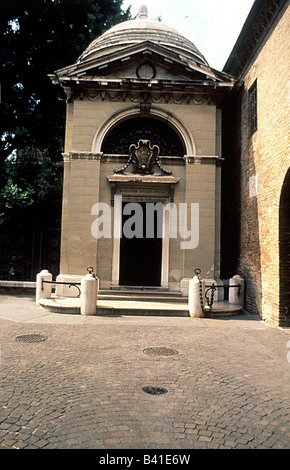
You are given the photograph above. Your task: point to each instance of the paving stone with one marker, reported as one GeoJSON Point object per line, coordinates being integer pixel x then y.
{"type": "Point", "coordinates": [228, 386]}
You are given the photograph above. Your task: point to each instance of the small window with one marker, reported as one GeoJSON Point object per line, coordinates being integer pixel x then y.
{"type": "Point", "coordinates": [253, 119]}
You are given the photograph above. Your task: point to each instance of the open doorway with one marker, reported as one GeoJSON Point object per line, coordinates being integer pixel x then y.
{"type": "Point", "coordinates": [141, 246]}
{"type": "Point", "coordinates": [284, 245]}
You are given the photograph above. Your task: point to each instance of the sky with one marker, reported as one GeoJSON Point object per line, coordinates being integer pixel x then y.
{"type": "Point", "coordinates": [212, 25]}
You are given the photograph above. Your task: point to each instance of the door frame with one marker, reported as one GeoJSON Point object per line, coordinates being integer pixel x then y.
{"type": "Point", "coordinates": [117, 230]}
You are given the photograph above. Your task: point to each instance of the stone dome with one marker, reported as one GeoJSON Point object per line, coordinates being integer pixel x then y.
{"type": "Point", "coordinates": [136, 31]}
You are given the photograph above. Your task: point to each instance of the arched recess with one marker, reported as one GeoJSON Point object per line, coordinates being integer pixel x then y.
{"type": "Point", "coordinates": [129, 131]}
{"type": "Point", "coordinates": [161, 116]}
{"type": "Point", "coordinates": [284, 252]}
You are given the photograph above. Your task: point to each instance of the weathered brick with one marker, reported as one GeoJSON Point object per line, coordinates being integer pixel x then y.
{"type": "Point", "coordinates": [265, 154]}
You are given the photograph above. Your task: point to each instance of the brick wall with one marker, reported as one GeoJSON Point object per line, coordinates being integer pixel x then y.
{"type": "Point", "coordinates": [265, 159]}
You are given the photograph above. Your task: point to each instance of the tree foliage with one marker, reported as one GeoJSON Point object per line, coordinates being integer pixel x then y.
{"type": "Point", "coordinates": [37, 38]}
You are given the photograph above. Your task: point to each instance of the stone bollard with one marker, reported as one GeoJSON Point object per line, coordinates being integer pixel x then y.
{"type": "Point", "coordinates": [194, 304]}
{"type": "Point", "coordinates": [43, 291]}
{"type": "Point", "coordinates": [89, 291]}
{"type": "Point", "coordinates": [236, 294]}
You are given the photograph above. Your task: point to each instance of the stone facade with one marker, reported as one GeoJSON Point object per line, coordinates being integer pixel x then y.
{"type": "Point", "coordinates": [142, 69]}
{"type": "Point", "coordinates": [86, 183]}
{"type": "Point", "coordinates": [264, 156]}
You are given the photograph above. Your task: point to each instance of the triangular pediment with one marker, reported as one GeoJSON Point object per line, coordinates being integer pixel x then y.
{"type": "Point", "coordinates": [144, 61]}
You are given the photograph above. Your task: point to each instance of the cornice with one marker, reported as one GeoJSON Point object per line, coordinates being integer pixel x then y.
{"type": "Point", "coordinates": [152, 92]}
{"type": "Point", "coordinates": [260, 19]}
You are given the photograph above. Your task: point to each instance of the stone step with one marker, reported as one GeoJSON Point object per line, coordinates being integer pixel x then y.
{"type": "Point", "coordinates": [143, 294]}
{"type": "Point", "coordinates": [115, 307]}
{"type": "Point", "coordinates": [120, 308]}
{"type": "Point", "coordinates": [141, 291]}
{"type": "Point", "coordinates": [182, 300]}
{"type": "Point", "coordinates": [143, 309]}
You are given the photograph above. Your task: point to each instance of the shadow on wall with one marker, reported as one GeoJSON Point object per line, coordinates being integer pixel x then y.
{"type": "Point", "coordinates": [230, 185]}
{"type": "Point", "coordinates": [240, 245]}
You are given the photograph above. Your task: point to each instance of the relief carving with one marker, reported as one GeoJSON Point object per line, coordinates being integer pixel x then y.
{"type": "Point", "coordinates": [143, 156]}
{"type": "Point", "coordinates": [137, 97]}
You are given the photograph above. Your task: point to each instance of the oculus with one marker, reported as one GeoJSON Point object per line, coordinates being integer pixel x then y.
{"type": "Point", "coordinates": [146, 71]}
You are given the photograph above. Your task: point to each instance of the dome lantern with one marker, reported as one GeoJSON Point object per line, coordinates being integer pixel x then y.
{"type": "Point", "coordinates": [143, 12]}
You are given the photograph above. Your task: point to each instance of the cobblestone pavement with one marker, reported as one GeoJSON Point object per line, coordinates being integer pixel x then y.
{"type": "Point", "coordinates": [82, 387]}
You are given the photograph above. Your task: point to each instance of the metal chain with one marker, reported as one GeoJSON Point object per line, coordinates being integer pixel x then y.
{"type": "Point", "coordinates": [197, 271]}
{"type": "Point", "coordinates": [212, 288]}
{"type": "Point", "coordinates": [91, 270]}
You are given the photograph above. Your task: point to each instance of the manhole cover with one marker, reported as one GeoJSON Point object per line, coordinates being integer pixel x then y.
{"type": "Point", "coordinates": [154, 390]}
{"type": "Point", "coordinates": [31, 338]}
{"type": "Point", "coordinates": [161, 351]}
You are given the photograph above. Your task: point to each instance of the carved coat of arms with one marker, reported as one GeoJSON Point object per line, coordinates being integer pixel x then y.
{"type": "Point", "coordinates": [143, 156]}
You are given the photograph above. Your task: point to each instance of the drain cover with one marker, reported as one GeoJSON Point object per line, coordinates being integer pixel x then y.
{"type": "Point", "coordinates": [31, 338]}
{"type": "Point", "coordinates": [154, 390]}
{"type": "Point", "coordinates": [161, 351]}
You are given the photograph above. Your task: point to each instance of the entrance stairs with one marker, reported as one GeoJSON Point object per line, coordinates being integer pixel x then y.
{"type": "Point", "coordinates": [142, 294]}
{"type": "Point", "coordinates": [145, 301]}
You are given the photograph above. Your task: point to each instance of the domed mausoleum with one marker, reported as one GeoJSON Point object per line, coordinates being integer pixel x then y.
{"type": "Point", "coordinates": [142, 159]}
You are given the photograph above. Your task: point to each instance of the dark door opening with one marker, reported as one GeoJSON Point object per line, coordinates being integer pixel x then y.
{"type": "Point", "coordinates": [140, 246]}
{"type": "Point", "coordinates": [284, 245]}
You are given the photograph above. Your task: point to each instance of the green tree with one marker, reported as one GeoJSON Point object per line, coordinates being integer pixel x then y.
{"type": "Point", "coordinates": [37, 38]}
